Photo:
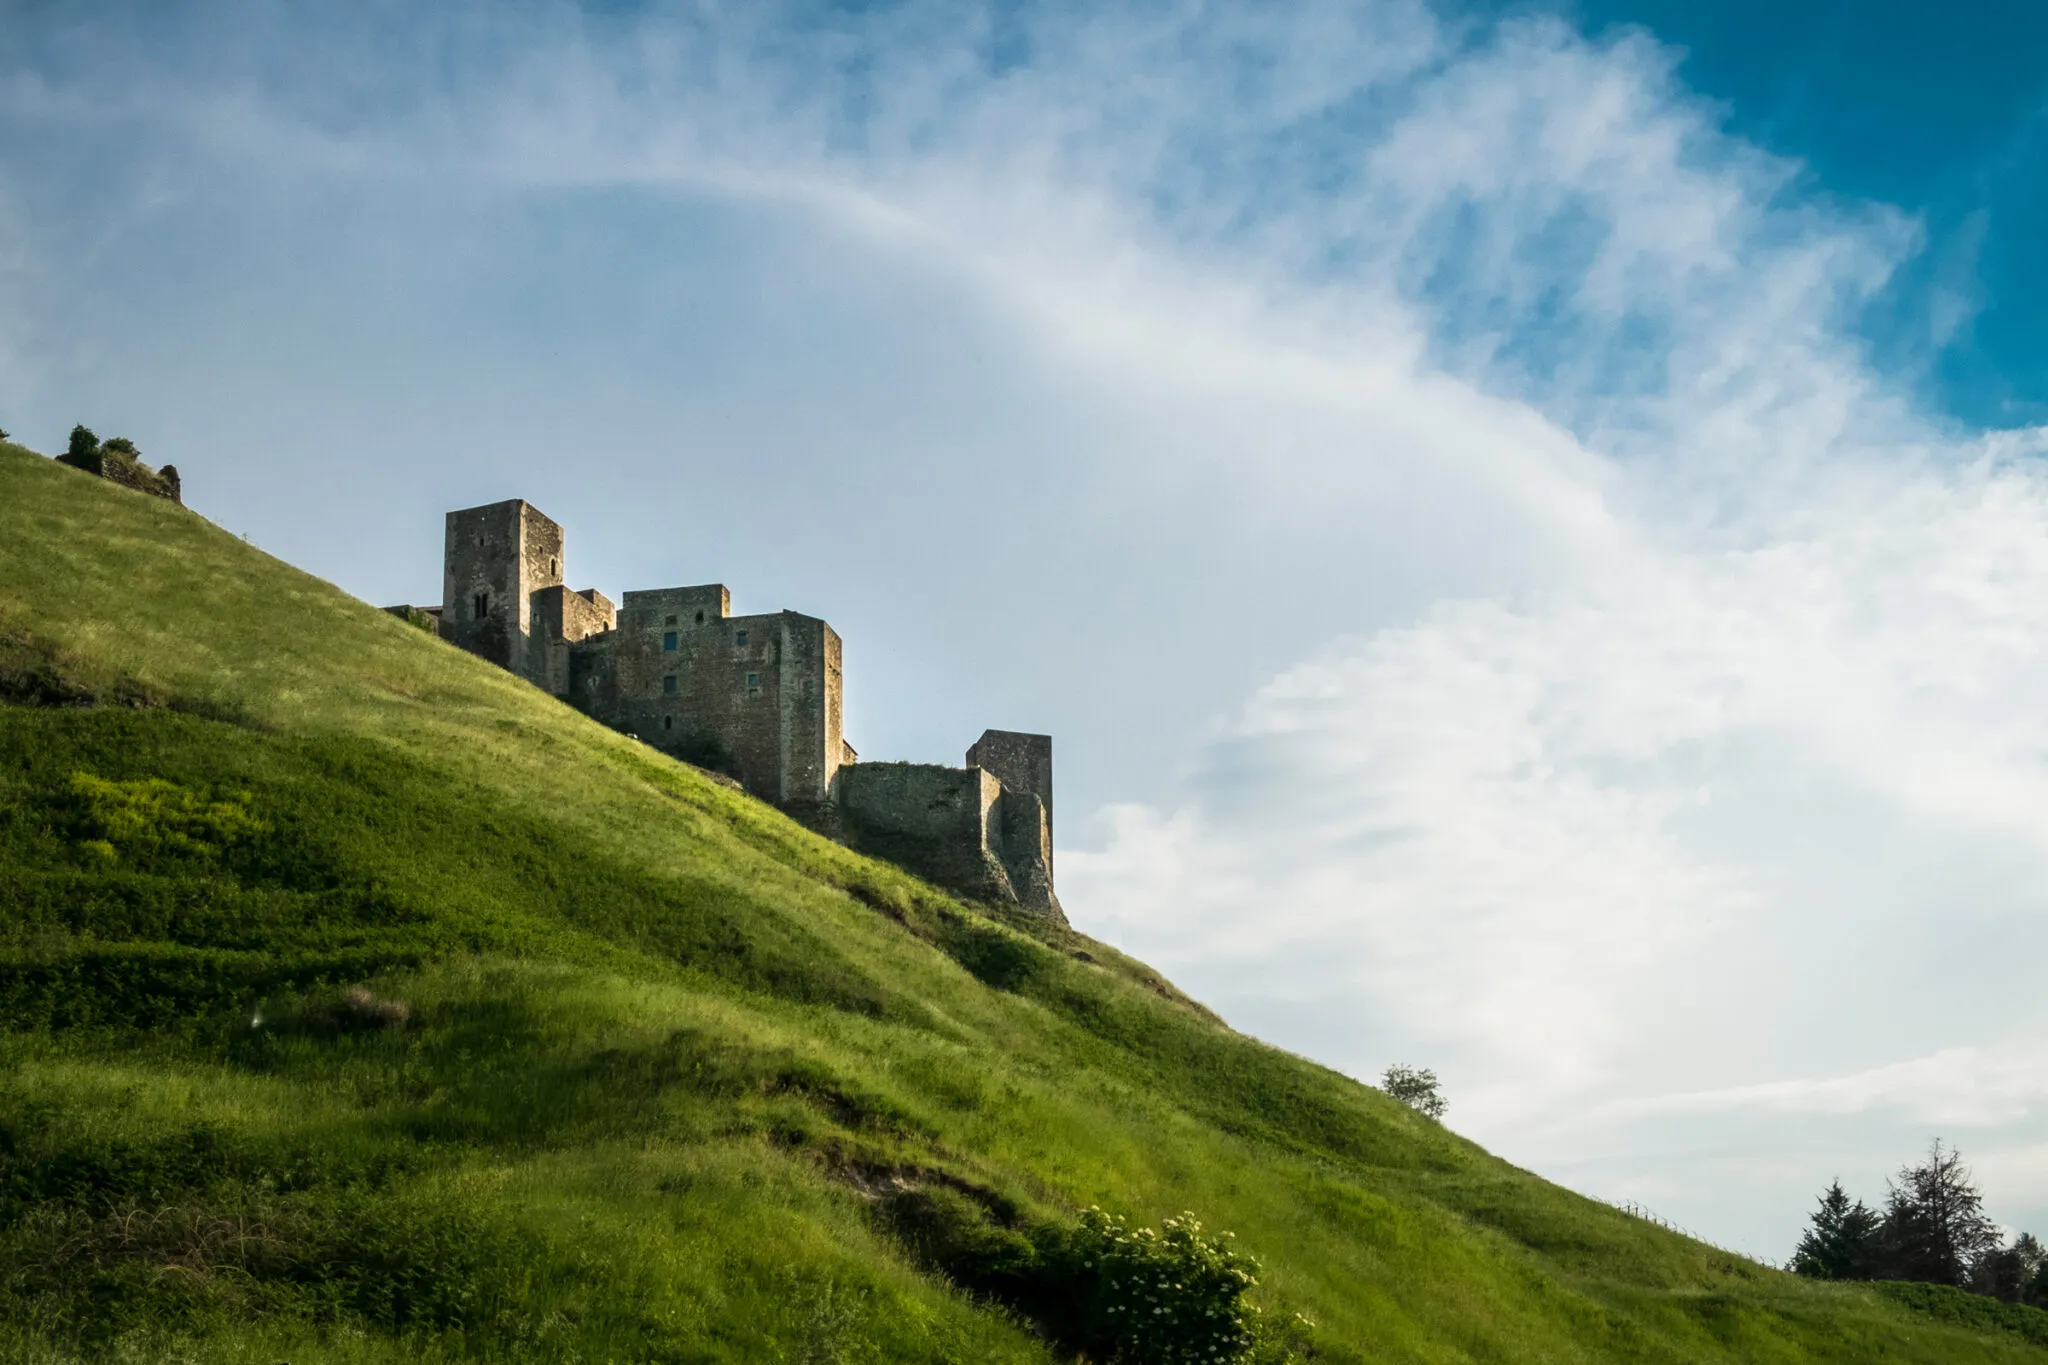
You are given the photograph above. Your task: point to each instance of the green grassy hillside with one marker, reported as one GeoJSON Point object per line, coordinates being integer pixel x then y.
{"type": "Point", "coordinates": [360, 1003]}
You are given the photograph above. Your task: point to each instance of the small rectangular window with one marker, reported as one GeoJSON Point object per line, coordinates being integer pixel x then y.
{"type": "Point", "coordinates": [739, 637]}
{"type": "Point", "coordinates": [482, 605]}
{"type": "Point", "coordinates": [753, 679]}
{"type": "Point", "coordinates": [668, 641]}
{"type": "Point", "coordinates": [668, 684]}
{"type": "Point", "coordinates": [668, 620]}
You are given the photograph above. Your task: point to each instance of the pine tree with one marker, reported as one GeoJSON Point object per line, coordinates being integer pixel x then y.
{"type": "Point", "coordinates": [1934, 1224]}
{"type": "Point", "coordinates": [1842, 1242]}
{"type": "Point", "coordinates": [2008, 1272]}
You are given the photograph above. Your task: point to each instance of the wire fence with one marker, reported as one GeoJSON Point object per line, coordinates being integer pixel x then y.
{"type": "Point", "coordinates": [1635, 1210]}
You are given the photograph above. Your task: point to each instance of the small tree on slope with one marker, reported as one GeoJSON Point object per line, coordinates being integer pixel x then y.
{"type": "Point", "coordinates": [1416, 1087]}
{"type": "Point", "coordinates": [1841, 1241]}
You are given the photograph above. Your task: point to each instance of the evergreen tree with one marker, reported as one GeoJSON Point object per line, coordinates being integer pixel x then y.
{"type": "Point", "coordinates": [2008, 1273]}
{"type": "Point", "coordinates": [2033, 1270]}
{"type": "Point", "coordinates": [1841, 1243]}
{"type": "Point", "coordinates": [1934, 1225]}
{"type": "Point", "coordinates": [84, 445]}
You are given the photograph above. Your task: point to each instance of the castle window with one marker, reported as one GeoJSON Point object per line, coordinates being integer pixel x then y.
{"type": "Point", "coordinates": [668, 684]}
{"type": "Point", "coordinates": [700, 618]}
{"type": "Point", "coordinates": [668, 641]}
{"type": "Point", "coordinates": [482, 605]}
{"type": "Point", "coordinates": [670, 620]}
{"type": "Point", "coordinates": [554, 569]}
{"type": "Point", "coordinates": [739, 638]}
{"type": "Point", "coordinates": [668, 722]}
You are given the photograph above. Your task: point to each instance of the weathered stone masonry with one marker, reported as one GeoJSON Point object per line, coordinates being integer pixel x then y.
{"type": "Point", "coordinates": [759, 697]}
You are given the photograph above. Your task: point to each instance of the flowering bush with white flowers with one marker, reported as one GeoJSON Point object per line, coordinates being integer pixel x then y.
{"type": "Point", "coordinates": [1173, 1295]}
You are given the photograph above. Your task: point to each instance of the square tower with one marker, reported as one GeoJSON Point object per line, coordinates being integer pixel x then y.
{"type": "Point", "coordinates": [1023, 763]}
{"type": "Point", "coordinates": [495, 558]}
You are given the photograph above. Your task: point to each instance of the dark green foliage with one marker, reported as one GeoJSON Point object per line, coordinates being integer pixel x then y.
{"type": "Point", "coordinates": [2016, 1274]}
{"type": "Point", "coordinates": [83, 445]}
{"type": "Point", "coordinates": [122, 447]}
{"type": "Point", "coordinates": [1171, 1296]}
{"type": "Point", "coordinates": [1415, 1087]}
{"type": "Point", "coordinates": [1934, 1226]}
{"type": "Point", "coordinates": [1099, 1286]}
{"type": "Point", "coordinates": [1842, 1242]}
{"type": "Point", "coordinates": [1946, 1303]}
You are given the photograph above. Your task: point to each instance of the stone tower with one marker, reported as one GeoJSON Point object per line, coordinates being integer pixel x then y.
{"type": "Point", "coordinates": [496, 558]}
{"type": "Point", "coordinates": [1023, 763]}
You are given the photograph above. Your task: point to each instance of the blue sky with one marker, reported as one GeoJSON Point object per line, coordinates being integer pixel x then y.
{"type": "Point", "coordinates": [1941, 110]}
{"type": "Point", "coordinates": [1528, 526]}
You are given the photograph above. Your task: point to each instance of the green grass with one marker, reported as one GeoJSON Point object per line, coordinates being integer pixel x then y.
{"type": "Point", "coordinates": [360, 1003]}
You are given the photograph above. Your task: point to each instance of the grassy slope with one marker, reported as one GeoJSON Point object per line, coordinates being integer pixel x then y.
{"type": "Point", "coordinates": [665, 1048]}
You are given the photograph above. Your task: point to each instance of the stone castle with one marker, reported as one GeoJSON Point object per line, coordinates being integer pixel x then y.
{"type": "Point", "coordinates": [755, 697]}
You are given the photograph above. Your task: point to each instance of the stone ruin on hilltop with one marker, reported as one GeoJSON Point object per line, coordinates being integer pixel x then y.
{"type": "Point", "coordinates": [755, 697]}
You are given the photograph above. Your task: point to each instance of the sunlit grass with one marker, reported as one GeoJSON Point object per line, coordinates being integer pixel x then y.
{"type": "Point", "coordinates": [632, 1059]}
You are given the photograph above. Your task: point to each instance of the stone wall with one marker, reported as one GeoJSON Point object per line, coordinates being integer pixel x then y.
{"type": "Point", "coordinates": [561, 618]}
{"type": "Point", "coordinates": [161, 483]}
{"type": "Point", "coordinates": [756, 696]}
{"type": "Point", "coordinates": [1024, 763]}
{"type": "Point", "coordinates": [1026, 849]}
{"type": "Point", "coordinates": [936, 821]}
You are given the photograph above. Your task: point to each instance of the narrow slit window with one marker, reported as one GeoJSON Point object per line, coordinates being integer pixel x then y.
{"type": "Point", "coordinates": [668, 684]}
{"type": "Point", "coordinates": [554, 569]}
{"type": "Point", "coordinates": [668, 641]}
{"type": "Point", "coordinates": [482, 605]}
{"type": "Point", "coordinates": [668, 722]}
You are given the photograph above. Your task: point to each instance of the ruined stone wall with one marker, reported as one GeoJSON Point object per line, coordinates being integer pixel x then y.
{"type": "Point", "coordinates": [161, 483]}
{"type": "Point", "coordinates": [1025, 847]}
{"type": "Point", "coordinates": [932, 819]}
{"type": "Point", "coordinates": [494, 559]}
{"type": "Point", "coordinates": [1024, 763]}
{"type": "Point", "coordinates": [560, 619]}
